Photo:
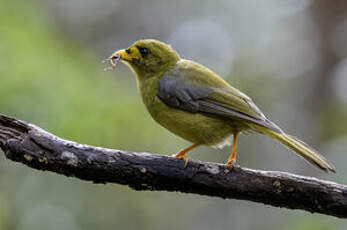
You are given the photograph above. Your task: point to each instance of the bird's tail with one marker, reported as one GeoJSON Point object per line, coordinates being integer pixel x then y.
{"type": "Point", "coordinates": [304, 150]}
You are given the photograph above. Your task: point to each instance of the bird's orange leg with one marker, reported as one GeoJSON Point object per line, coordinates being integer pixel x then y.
{"type": "Point", "coordinates": [182, 154]}
{"type": "Point", "coordinates": [232, 158]}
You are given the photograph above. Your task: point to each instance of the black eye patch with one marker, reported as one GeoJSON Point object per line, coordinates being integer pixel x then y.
{"type": "Point", "coordinates": [143, 51]}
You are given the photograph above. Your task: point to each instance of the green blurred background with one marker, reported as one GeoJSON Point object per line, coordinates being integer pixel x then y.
{"type": "Point", "coordinates": [289, 56]}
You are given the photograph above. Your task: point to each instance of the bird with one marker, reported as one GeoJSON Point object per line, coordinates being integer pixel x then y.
{"type": "Point", "coordinates": [198, 105]}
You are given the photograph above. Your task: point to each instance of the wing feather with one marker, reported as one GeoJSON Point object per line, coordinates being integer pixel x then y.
{"type": "Point", "coordinates": [178, 89]}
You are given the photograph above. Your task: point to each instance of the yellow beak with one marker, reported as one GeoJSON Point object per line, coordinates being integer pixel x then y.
{"type": "Point", "coordinates": [122, 54]}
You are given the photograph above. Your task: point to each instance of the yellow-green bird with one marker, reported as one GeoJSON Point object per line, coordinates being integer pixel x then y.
{"type": "Point", "coordinates": [196, 104]}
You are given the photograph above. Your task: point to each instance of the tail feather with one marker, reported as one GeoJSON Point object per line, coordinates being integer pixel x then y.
{"type": "Point", "coordinates": [304, 150]}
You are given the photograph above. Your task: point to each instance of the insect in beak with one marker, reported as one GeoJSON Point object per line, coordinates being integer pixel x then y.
{"type": "Point", "coordinates": [113, 60]}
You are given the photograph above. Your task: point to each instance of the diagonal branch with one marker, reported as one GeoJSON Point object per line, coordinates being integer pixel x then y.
{"type": "Point", "coordinates": [32, 146]}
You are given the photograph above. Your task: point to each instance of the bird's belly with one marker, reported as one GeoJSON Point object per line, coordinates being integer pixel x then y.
{"type": "Point", "coordinates": [194, 127]}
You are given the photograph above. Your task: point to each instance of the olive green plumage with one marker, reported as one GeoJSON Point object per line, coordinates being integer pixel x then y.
{"type": "Point", "coordinates": [196, 104]}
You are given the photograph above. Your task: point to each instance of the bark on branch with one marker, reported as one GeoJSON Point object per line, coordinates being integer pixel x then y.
{"type": "Point", "coordinates": [36, 148]}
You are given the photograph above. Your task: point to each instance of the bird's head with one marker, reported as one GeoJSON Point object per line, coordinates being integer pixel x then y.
{"type": "Point", "coordinates": [147, 57]}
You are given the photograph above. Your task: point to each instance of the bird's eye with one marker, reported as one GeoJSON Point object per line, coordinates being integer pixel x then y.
{"type": "Point", "coordinates": [143, 51]}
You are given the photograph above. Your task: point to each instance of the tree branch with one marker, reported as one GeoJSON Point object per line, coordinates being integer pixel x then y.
{"type": "Point", "coordinates": [32, 146]}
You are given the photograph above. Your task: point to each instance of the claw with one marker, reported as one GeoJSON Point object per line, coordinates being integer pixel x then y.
{"type": "Point", "coordinates": [230, 163]}
{"type": "Point", "coordinates": [182, 154]}
{"type": "Point", "coordinates": [182, 157]}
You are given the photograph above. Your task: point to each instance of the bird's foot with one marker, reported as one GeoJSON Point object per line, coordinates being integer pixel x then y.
{"type": "Point", "coordinates": [181, 157]}
{"type": "Point", "coordinates": [231, 163]}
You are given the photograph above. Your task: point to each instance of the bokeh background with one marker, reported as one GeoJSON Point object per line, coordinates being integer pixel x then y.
{"type": "Point", "coordinates": [289, 56]}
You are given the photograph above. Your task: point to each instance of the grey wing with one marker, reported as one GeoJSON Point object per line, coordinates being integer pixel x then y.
{"type": "Point", "coordinates": [177, 94]}
{"type": "Point", "coordinates": [183, 95]}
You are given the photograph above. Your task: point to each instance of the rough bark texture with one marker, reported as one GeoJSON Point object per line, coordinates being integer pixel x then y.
{"type": "Point", "coordinates": [39, 149]}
